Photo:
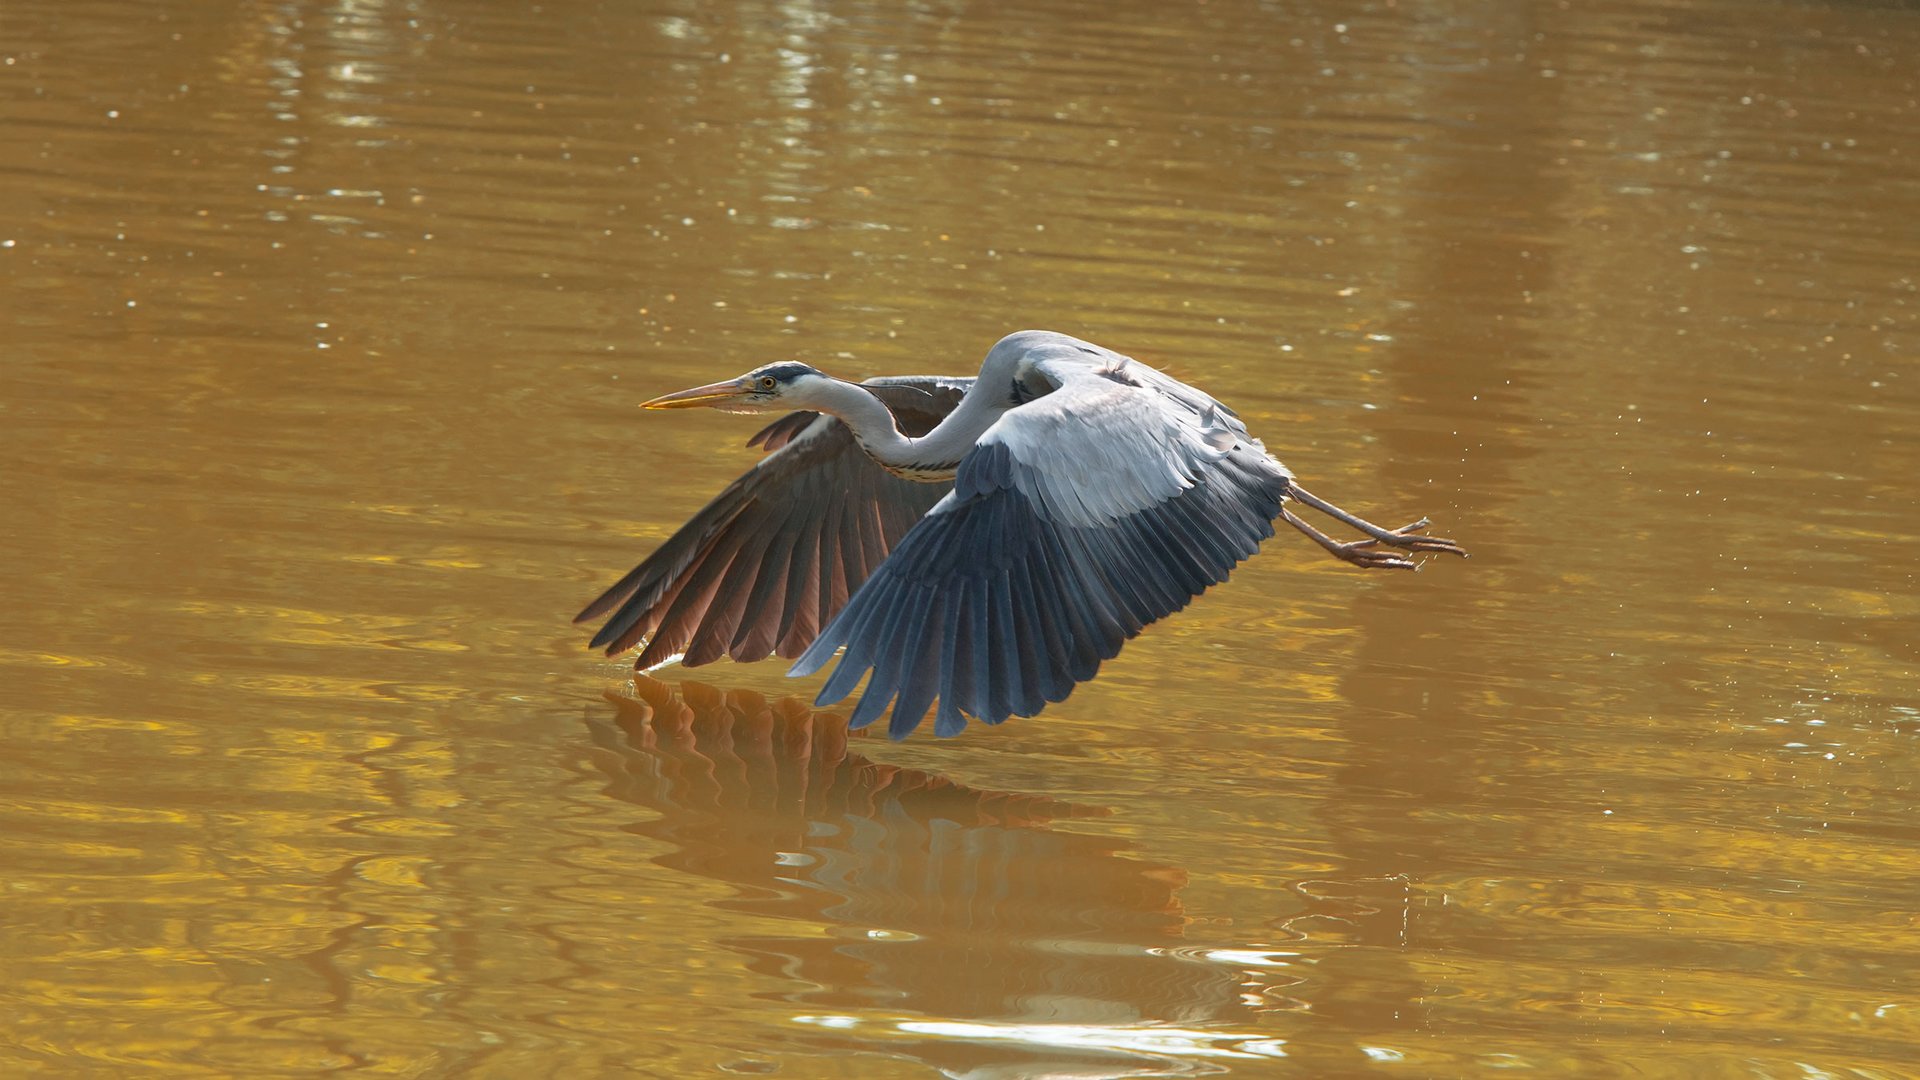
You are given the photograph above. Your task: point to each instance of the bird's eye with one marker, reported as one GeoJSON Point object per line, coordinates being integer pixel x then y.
{"type": "Point", "coordinates": [768, 382]}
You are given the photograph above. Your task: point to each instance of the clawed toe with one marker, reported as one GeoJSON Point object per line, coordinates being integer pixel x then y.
{"type": "Point", "coordinates": [1410, 538]}
{"type": "Point", "coordinates": [1364, 554]}
{"type": "Point", "coordinates": [1414, 542]}
{"type": "Point", "coordinates": [1373, 553]}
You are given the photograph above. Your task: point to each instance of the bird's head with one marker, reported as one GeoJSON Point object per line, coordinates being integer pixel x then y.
{"type": "Point", "coordinates": [772, 388]}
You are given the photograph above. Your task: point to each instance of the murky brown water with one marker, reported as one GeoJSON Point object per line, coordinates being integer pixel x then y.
{"type": "Point", "coordinates": [324, 323]}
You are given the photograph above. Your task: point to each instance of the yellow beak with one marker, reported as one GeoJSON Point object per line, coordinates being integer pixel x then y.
{"type": "Point", "coordinates": [709, 394]}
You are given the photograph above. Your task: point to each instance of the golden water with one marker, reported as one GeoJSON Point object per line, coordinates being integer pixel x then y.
{"type": "Point", "coordinates": [323, 326]}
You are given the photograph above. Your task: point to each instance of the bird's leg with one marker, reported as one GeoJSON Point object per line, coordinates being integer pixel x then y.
{"type": "Point", "coordinates": [1360, 553]}
{"type": "Point", "coordinates": [1409, 537]}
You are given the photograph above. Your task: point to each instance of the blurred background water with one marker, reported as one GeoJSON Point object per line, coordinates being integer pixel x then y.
{"type": "Point", "coordinates": [323, 327]}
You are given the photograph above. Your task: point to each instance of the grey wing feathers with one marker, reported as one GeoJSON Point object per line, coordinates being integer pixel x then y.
{"type": "Point", "coordinates": [776, 554]}
{"type": "Point", "coordinates": [1076, 521]}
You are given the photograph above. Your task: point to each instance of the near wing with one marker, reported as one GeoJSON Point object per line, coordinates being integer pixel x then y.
{"type": "Point", "coordinates": [1078, 519]}
{"type": "Point", "coordinates": [771, 559]}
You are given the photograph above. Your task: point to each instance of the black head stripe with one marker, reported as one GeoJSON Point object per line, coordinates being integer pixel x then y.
{"type": "Point", "coordinates": [786, 372]}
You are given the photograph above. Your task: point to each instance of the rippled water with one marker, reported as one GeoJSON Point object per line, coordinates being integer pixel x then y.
{"type": "Point", "coordinates": [324, 323]}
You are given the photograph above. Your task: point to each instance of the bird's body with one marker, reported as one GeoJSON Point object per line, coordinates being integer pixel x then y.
{"type": "Point", "coordinates": [984, 543]}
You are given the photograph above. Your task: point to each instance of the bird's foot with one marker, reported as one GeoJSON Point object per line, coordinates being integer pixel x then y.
{"type": "Point", "coordinates": [1411, 538]}
{"type": "Point", "coordinates": [1372, 553]}
{"type": "Point", "coordinates": [1366, 555]}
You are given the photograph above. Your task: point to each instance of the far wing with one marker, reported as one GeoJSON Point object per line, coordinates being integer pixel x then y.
{"type": "Point", "coordinates": [1077, 520]}
{"type": "Point", "coordinates": [775, 555]}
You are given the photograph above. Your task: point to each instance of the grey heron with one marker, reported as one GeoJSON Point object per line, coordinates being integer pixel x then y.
{"type": "Point", "coordinates": [981, 543]}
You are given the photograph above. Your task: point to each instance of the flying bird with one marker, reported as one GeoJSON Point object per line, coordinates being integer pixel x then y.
{"type": "Point", "coordinates": [983, 543]}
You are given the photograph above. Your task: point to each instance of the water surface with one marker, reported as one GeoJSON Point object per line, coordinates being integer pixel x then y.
{"type": "Point", "coordinates": [324, 324]}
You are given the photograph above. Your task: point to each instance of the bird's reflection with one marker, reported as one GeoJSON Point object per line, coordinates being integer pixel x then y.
{"type": "Point", "coordinates": [892, 890]}
{"type": "Point", "coordinates": [713, 752]}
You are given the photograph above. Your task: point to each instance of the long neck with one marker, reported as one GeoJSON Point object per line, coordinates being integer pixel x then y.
{"type": "Point", "coordinates": [932, 457]}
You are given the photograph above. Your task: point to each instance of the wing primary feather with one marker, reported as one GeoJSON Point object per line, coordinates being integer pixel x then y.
{"type": "Point", "coordinates": [1097, 566]}
{"type": "Point", "coordinates": [849, 628]}
{"type": "Point", "coordinates": [797, 623]}
{"type": "Point", "coordinates": [673, 629]}
{"type": "Point", "coordinates": [714, 631]}
{"type": "Point", "coordinates": [1232, 528]}
{"type": "Point", "coordinates": [669, 622]}
{"type": "Point", "coordinates": [821, 649]}
{"type": "Point", "coordinates": [888, 666]}
{"type": "Point", "coordinates": [920, 682]}
{"type": "Point", "coordinates": [1196, 562]}
{"type": "Point", "coordinates": [875, 632]}
{"type": "Point", "coordinates": [1169, 573]}
{"type": "Point", "coordinates": [1132, 567]}
{"type": "Point", "coordinates": [758, 625]}
{"type": "Point", "coordinates": [1030, 646]}
{"type": "Point", "coordinates": [1210, 547]}
{"type": "Point", "coordinates": [873, 546]}
{"type": "Point", "coordinates": [845, 677]}
{"type": "Point", "coordinates": [1078, 631]}
{"type": "Point", "coordinates": [1091, 627]}
{"type": "Point", "coordinates": [1006, 660]}
{"type": "Point", "coordinates": [1251, 521]}
{"type": "Point", "coordinates": [1080, 557]}
{"type": "Point", "coordinates": [1016, 647]}
{"type": "Point", "coordinates": [672, 558]}
{"type": "Point", "coordinates": [954, 650]}
{"type": "Point", "coordinates": [641, 601]}
{"type": "Point", "coordinates": [1044, 595]}
{"type": "Point", "coordinates": [855, 565]}
{"type": "Point", "coordinates": [980, 694]}
{"type": "Point", "coordinates": [836, 585]}
{"type": "Point", "coordinates": [622, 590]}
{"type": "Point", "coordinates": [949, 721]}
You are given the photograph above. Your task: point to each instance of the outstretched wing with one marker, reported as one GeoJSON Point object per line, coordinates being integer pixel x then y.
{"type": "Point", "coordinates": [1078, 519]}
{"type": "Point", "coordinates": [774, 556]}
